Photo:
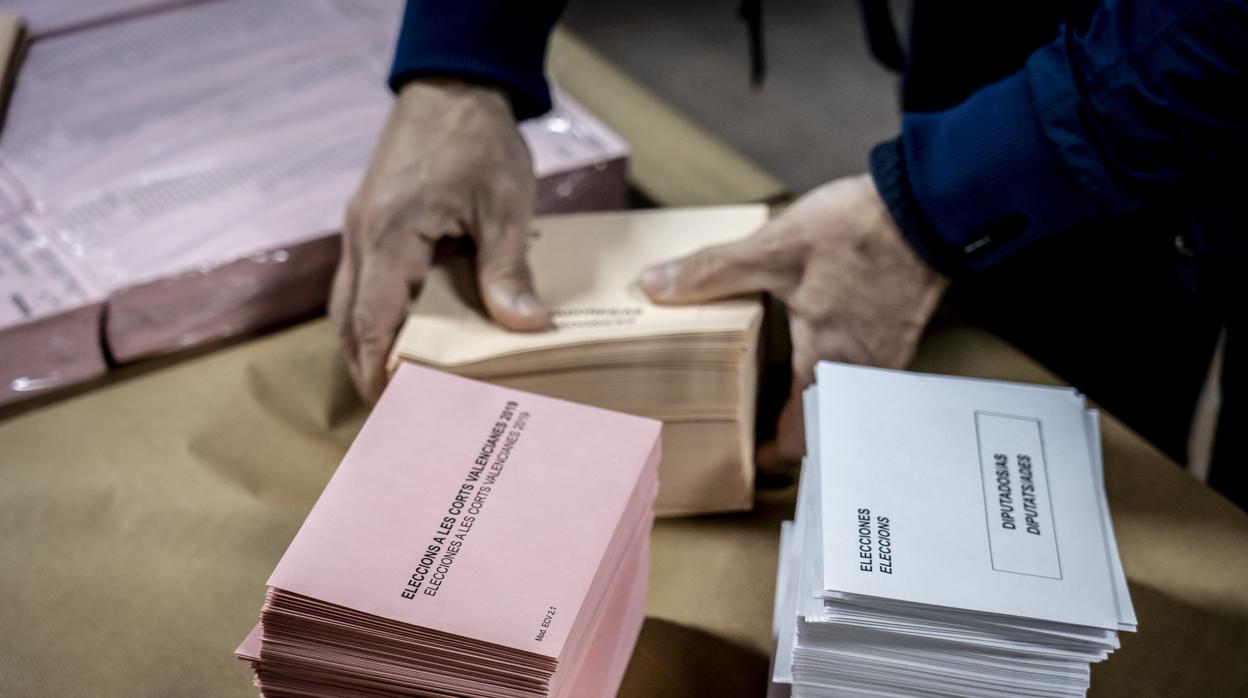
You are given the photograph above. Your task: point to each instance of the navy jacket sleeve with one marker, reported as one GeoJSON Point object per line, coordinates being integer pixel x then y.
{"type": "Point", "coordinates": [498, 42]}
{"type": "Point", "coordinates": [1138, 100]}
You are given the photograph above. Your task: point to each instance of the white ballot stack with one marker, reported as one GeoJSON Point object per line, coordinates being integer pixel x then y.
{"type": "Point", "coordinates": [694, 366]}
{"type": "Point", "coordinates": [952, 538]}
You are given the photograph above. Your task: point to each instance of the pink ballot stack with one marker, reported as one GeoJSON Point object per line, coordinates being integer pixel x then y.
{"type": "Point", "coordinates": [173, 178]}
{"type": "Point", "coordinates": [475, 541]}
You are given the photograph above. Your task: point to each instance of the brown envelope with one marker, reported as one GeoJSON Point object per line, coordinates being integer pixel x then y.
{"type": "Point", "coordinates": [585, 267]}
{"type": "Point", "coordinates": [693, 366]}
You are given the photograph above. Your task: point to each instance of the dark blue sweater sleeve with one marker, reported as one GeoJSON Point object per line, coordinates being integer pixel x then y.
{"type": "Point", "coordinates": [1141, 98]}
{"type": "Point", "coordinates": [498, 42]}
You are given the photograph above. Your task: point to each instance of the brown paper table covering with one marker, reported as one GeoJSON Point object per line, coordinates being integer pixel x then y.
{"type": "Point", "coordinates": [138, 524]}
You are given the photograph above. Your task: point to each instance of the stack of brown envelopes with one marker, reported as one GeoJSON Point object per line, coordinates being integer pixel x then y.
{"type": "Point", "coordinates": [694, 366]}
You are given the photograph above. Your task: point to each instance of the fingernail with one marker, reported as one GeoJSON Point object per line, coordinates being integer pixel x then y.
{"type": "Point", "coordinates": [659, 279]}
{"type": "Point", "coordinates": [527, 304]}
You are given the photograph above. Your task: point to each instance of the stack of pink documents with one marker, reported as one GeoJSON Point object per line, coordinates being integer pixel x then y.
{"type": "Point", "coordinates": [179, 177]}
{"type": "Point", "coordinates": [475, 541]}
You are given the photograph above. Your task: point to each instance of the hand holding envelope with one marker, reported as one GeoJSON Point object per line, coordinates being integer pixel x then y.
{"type": "Point", "coordinates": [694, 367]}
{"type": "Point", "coordinates": [450, 163]}
{"type": "Point", "coordinates": [855, 290]}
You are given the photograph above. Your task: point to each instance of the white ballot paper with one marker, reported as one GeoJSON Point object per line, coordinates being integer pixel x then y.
{"type": "Point", "coordinates": [951, 538]}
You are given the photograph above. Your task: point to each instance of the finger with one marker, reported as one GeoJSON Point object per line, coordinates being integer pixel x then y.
{"type": "Point", "coordinates": [342, 297]}
{"type": "Point", "coordinates": [715, 272]}
{"type": "Point", "coordinates": [791, 427]}
{"type": "Point", "coordinates": [379, 308]}
{"type": "Point", "coordinates": [790, 430]}
{"type": "Point", "coordinates": [771, 462]}
{"type": "Point", "coordinates": [401, 251]}
{"type": "Point", "coordinates": [788, 447]}
{"type": "Point", "coordinates": [504, 277]}
{"type": "Point", "coordinates": [790, 444]}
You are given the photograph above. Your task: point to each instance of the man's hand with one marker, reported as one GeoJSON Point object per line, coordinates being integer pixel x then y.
{"type": "Point", "coordinates": [854, 289]}
{"type": "Point", "coordinates": [450, 163]}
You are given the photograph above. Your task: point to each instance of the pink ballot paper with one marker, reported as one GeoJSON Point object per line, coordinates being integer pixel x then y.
{"type": "Point", "coordinates": [476, 540]}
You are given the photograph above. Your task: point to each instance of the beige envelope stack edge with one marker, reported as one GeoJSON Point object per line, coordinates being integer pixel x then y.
{"type": "Point", "coordinates": [476, 541]}
{"type": "Point", "coordinates": [693, 367]}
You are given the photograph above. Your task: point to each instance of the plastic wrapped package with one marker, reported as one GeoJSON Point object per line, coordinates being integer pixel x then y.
{"type": "Point", "coordinates": [149, 148]}
{"type": "Point", "coordinates": [193, 90]}
{"type": "Point", "coordinates": [13, 201]}
{"type": "Point", "coordinates": [581, 164]}
{"type": "Point", "coordinates": [52, 16]}
{"type": "Point", "coordinates": [196, 163]}
{"type": "Point", "coordinates": [225, 285]}
{"type": "Point", "coordinates": [49, 315]}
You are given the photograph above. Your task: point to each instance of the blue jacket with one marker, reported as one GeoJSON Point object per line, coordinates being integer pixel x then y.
{"type": "Point", "coordinates": [1141, 102]}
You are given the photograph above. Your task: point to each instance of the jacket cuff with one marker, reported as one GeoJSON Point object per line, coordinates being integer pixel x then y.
{"type": "Point", "coordinates": [983, 178]}
{"type": "Point", "coordinates": [500, 43]}
{"type": "Point", "coordinates": [529, 95]}
{"type": "Point", "coordinates": [888, 169]}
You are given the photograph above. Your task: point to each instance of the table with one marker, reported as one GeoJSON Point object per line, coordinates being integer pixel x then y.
{"type": "Point", "coordinates": [139, 520]}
